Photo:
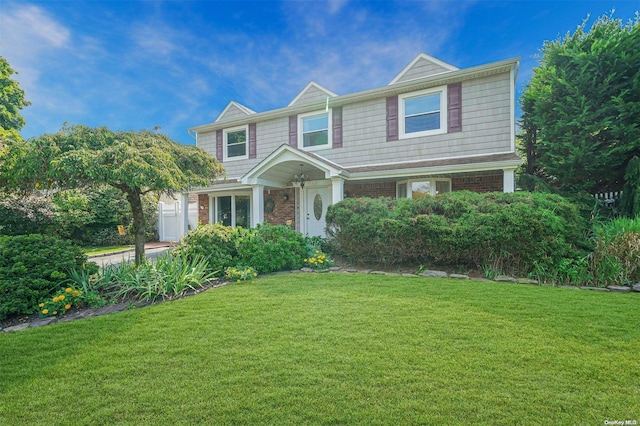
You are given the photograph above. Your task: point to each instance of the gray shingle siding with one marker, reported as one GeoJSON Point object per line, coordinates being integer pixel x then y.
{"type": "Point", "coordinates": [486, 129]}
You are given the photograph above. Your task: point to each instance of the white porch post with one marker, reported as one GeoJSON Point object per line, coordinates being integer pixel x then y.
{"type": "Point", "coordinates": [508, 180]}
{"type": "Point", "coordinates": [212, 212]}
{"type": "Point", "coordinates": [184, 203]}
{"type": "Point", "coordinates": [337, 190]}
{"type": "Point", "coordinates": [257, 205]}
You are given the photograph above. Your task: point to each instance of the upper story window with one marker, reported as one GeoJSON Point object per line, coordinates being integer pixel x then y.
{"type": "Point", "coordinates": [235, 143]}
{"type": "Point", "coordinates": [315, 130]}
{"type": "Point", "coordinates": [423, 113]}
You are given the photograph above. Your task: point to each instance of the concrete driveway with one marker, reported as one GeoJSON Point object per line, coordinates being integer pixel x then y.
{"type": "Point", "coordinates": [152, 251]}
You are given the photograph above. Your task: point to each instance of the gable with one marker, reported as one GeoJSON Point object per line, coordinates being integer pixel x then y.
{"type": "Point", "coordinates": [311, 94]}
{"type": "Point", "coordinates": [234, 111]}
{"type": "Point", "coordinates": [422, 66]}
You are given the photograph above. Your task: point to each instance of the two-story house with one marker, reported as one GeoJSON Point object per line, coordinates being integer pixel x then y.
{"type": "Point", "coordinates": [433, 129]}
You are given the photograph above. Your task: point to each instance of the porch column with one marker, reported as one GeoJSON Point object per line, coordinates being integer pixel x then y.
{"type": "Point", "coordinates": [184, 202]}
{"type": "Point", "coordinates": [257, 204]}
{"type": "Point", "coordinates": [212, 211]}
{"type": "Point", "coordinates": [337, 190]}
{"type": "Point", "coordinates": [508, 180]}
{"type": "Point", "coordinates": [161, 221]}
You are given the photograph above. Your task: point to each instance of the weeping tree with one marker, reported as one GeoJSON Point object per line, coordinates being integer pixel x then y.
{"type": "Point", "coordinates": [136, 163]}
{"type": "Point", "coordinates": [630, 201]}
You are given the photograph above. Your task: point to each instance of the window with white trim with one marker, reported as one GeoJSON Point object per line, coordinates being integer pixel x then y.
{"type": "Point", "coordinates": [233, 210]}
{"type": "Point", "coordinates": [315, 130]}
{"type": "Point", "coordinates": [423, 113]}
{"type": "Point", "coordinates": [235, 143]}
{"type": "Point", "coordinates": [419, 188]}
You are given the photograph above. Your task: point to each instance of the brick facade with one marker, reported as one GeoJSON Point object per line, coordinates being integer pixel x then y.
{"type": "Point", "coordinates": [478, 183]}
{"type": "Point", "coordinates": [203, 209]}
{"type": "Point", "coordinates": [372, 190]}
{"type": "Point", "coordinates": [283, 202]}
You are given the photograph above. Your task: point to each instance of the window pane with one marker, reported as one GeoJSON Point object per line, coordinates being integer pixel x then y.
{"type": "Point", "coordinates": [420, 123]}
{"type": "Point", "coordinates": [420, 189]}
{"type": "Point", "coordinates": [242, 211]}
{"type": "Point", "coordinates": [422, 104]}
{"type": "Point", "coordinates": [443, 186]}
{"type": "Point", "coordinates": [315, 139]}
{"type": "Point", "coordinates": [237, 150]}
{"type": "Point", "coordinates": [319, 122]}
{"type": "Point", "coordinates": [402, 191]}
{"type": "Point", "coordinates": [224, 210]}
{"type": "Point", "coordinates": [236, 137]}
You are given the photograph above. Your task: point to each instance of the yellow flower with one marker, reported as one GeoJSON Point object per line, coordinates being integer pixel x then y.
{"type": "Point", "coordinates": [41, 305]}
{"type": "Point", "coordinates": [61, 298]}
{"type": "Point", "coordinates": [238, 281]}
{"type": "Point", "coordinates": [37, 185]}
{"type": "Point", "coordinates": [55, 312]}
{"type": "Point", "coordinates": [45, 311]}
{"type": "Point", "coordinates": [255, 274]}
{"type": "Point", "coordinates": [68, 290]}
{"type": "Point", "coordinates": [67, 306]}
{"type": "Point", "coordinates": [76, 293]}
{"type": "Point", "coordinates": [320, 260]}
{"type": "Point", "coordinates": [306, 260]}
{"type": "Point", "coordinates": [55, 299]}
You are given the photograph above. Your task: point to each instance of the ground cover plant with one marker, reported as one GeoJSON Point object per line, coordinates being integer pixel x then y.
{"type": "Point", "coordinates": [335, 349]}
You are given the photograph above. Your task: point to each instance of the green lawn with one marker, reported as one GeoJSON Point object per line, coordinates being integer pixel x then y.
{"type": "Point", "coordinates": [336, 349]}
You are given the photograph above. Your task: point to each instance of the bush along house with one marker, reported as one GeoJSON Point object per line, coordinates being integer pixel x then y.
{"type": "Point", "coordinates": [433, 129]}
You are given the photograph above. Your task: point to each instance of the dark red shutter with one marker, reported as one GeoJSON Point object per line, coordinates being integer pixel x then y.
{"type": "Point", "coordinates": [337, 127]}
{"type": "Point", "coordinates": [252, 140]}
{"type": "Point", "coordinates": [293, 130]}
{"type": "Point", "coordinates": [219, 147]}
{"type": "Point", "coordinates": [392, 118]}
{"type": "Point", "coordinates": [454, 107]}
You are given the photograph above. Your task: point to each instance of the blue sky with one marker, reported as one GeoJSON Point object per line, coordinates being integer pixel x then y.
{"type": "Point", "coordinates": [139, 64]}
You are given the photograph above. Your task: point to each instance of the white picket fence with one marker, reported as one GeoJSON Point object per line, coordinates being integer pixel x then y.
{"type": "Point", "coordinates": [170, 220]}
{"type": "Point", "coordinates": [608, 197]}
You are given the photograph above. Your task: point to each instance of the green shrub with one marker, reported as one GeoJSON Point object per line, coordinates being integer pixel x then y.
{"type": "Point", "coordinates": [494, 231]}
{"type": "Point", "coordinates": [214, 242]}
{"type": "Point", "coordinates": [616, 257]}
{"type": "Point", "coordinates": [270, 248]}
{"type": "Point", "coordinates": [32, 268]}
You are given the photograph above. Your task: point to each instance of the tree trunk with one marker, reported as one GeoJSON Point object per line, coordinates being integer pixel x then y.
{"type": "Point", "coordinates": [135, 201]}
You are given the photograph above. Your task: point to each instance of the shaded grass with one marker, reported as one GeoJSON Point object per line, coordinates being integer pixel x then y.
{"type": "Point", "coordinates": [336, 349]}
{"type": "Point", "coordinates": [93, 251]}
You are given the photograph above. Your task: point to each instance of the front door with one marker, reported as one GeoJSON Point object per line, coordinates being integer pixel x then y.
{"type": "Point", "coordinates": [316, 203]}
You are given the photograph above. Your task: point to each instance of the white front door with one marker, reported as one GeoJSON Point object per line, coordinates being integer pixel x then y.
{"type": "Point", "coordinates": [315, 209]}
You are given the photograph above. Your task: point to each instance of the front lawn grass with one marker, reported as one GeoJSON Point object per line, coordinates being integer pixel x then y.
{"type": "Point", "coordinates": [336, 349]}
{"type": "Point", "coordinates": [94, 251]}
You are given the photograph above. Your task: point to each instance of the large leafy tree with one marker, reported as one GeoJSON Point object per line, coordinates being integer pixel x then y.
{"type": "Point", "coordinates": [136, 163]}
{"type": "Point", "coordinates": [580, 126]}
{"type": "Point", "coordinates": [12, 100]}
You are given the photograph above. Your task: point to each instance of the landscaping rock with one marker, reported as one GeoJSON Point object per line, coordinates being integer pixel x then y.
{"type": "Point", "coordinates": [459, 276]}
{"type": "Point", "coordinates": [377, 273]}
{"type": "Point", "coordinates": [305, 269]}
{"type": "Point", "coordinates": [351, 270]}
{"type": "Point", "coordinates": [571, 287]}
{"type": "Point", "coordinates": [527, 281]}
{"type": "Point", "coordinates": [410, 275]}
{"type": "Point", "coordinates": [17, 327]}
{"type": "Point", "coordinates": [619, 288]}
{"type": "Point", "coordinates": [111, 308]}
{"type": "Point", "coordinates": [636, 287]}
{"type": "Point", "coordinates": [594, 288]}
{"type": "Point", "coordinates": [42, 321]}
{"type": "Point", "coordinates": [505, 279]}
{"type": "Point", "coordinates": [335, 268]}
{"type": "Point", "coordinates": [436, 274]}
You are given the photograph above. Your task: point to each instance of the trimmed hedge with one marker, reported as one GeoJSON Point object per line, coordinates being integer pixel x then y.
{"type": "Point", "coordinates": [267, 248]}
{"type": "Point", "coordinates": [32, 268]}
{"type": "Point", "coordinates": [507, 232]}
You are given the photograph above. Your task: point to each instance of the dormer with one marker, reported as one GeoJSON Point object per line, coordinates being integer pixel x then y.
{"type": "Point", "coordinates": [422, 65]}
{"type": "Point", "coordinates": [234, 111]}
{"type": "Point", "coordinates": [313, 93]}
